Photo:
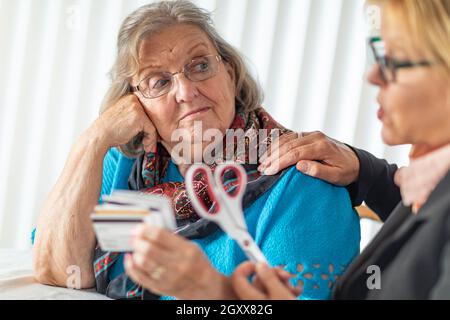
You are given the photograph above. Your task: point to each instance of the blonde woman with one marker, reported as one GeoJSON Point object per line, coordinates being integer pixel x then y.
{"type": "Point", "coordinates": [410, 257]}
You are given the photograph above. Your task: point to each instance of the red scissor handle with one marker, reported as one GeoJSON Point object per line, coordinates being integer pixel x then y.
{"type": "Point", "coordinates": [207, 177]}
{"type": "Point", "coordinates": [241, 177]}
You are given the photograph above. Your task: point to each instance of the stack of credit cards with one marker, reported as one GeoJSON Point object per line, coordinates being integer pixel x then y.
{"type": "Point", "coordinates": [123, 211]}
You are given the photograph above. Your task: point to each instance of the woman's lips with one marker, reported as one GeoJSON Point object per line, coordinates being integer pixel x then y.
{"type": "Point", "coordinates": [195, 113]}
{"type": "Point", "coordinates": [380, 114]}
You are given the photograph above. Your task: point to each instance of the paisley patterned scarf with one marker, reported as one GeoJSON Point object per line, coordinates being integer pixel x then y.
{"type": "Point", "coordinates": [155, 164]}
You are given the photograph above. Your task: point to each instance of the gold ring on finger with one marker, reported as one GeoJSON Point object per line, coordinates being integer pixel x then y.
{"type": "Point", "coordinates": [157, 273]}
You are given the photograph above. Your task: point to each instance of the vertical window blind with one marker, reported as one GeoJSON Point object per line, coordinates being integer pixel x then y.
{"type": "Point", "coordinates": [308, 55]}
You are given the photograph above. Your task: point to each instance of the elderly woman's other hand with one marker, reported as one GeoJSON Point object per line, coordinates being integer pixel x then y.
{"type": "Point", "coordinates": [316, 155]}
{"type": "Point", "coordinates": [123, 121]}
{"type": "Point", "coordinates": [268, 284]}
{"type": "Point", "coordinates": [170, 265]}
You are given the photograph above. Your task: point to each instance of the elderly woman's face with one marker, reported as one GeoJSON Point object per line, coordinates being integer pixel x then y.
{"type": "Point", "coordinates": [415, 109]}
{"type": "Point", "coordinates": [211, 101]}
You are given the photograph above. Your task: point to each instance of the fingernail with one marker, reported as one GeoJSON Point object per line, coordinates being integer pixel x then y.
{"type": "Point", "coordinates": [303, 166]}
{"type": "Point", "coordinates": [270, 171]}
{"type": "Point", "coordinates": [127, 260]}
{"type": "Point", "coordinates": [287, 273]}
{"type": "Point", "coordinates": [134, 231]}
{"type": "Point", "coordinates": [263, 165]}
{"type": "Point", "coordinates": [261, 266]}
{"type": "Point", "coordinates": [150, 226]}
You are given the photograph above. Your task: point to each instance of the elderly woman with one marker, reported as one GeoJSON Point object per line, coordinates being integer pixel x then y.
{"type": "Point", "coordinates": [172, 71]}
{"type": "Point", "coordinates": [410, 256]}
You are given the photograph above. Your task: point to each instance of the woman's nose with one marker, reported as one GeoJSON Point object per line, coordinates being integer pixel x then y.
{"type": "Point", "coordinates": [375, 77]}
{"type": "Point", "coordinates": [185, 89]}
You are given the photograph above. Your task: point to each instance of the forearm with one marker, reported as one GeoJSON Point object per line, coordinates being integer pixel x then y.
{"type": "Point", "coordinates": [375, 185]}
{"type": "Point", "coordinates": [219, 287]}
{"type": "Point", "coordinates": [64, 234]}
{"type": "Point", "coordinates": [223, 291]}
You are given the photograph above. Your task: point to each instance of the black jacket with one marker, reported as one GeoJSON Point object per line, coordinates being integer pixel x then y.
{"type": "Point", "coordinates": [411, 251]}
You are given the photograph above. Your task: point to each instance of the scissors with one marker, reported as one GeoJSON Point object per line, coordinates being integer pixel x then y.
{"type": "Point", "coordinates": [227, 207]}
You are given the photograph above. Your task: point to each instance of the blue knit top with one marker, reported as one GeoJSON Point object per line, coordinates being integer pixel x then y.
{"type": "Point", "coordinates": [302, 223]}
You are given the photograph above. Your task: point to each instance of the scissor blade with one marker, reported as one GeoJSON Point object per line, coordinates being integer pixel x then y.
{"type": "Point", "coordinates": [249, 246]}
{"type": "Point", "coordinates": [232, 209]}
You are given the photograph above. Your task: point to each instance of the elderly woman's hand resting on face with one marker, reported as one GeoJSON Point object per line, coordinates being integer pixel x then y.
{"type": "Point", "coordinates": [122, 122]}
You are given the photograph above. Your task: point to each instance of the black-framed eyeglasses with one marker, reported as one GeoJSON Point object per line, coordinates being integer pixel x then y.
{"type": "Point", "coordinates": [389, 66]}
{"type": "Point", "coordinates": [160, 83]}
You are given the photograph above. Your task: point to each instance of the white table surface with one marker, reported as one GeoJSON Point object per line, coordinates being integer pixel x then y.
{"type": "Point", "coordinates": [17, 281]}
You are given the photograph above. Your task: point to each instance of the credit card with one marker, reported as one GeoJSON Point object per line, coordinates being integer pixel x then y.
{"type": "Point", "coordinates": [123, 211]}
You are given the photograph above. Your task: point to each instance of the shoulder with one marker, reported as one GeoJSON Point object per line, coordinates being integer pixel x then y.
{"type": "Point", "coordinates": [116, 170]}
{"type": "Point", "coordinates": [300, 187]}
{"type": "Point", "coordinates": [438, 204]}
{"type": "Point", "coordinates": [311, 209]}
{"type": "Point", "coordinates": [298, 200]}
{"type": "Point", "coordinates": [442, 287]}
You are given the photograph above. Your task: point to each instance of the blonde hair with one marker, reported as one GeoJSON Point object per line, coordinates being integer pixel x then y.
{"type": "Point", "coordinates": [152, 18]}
{"type": "Point", "coordinates": [429, 23]}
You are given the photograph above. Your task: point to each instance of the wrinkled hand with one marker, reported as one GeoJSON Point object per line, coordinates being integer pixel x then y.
{"type": "Point", "coordinates": [314, 154]}
{"type": "Point", "coordinates": [268, 284]}
{"type": "Point", "coordinates": [123, 121]}
{"type": "Point", "coordinates": [168, 264]}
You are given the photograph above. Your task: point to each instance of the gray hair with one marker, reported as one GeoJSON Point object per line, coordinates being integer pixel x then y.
{"type": "Point", "coordinates": [148, 20]}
